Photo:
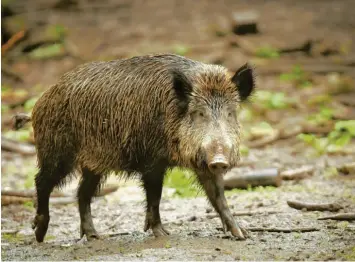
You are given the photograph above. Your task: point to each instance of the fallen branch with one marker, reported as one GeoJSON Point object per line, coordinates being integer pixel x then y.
{"type": "Point", "coordinates": [282, 230]}
{"type": "Point", "coordinates": [8, 200]}
{"type": "Point", "coordinates": [118, 234]}
{"type": "Point", "coordinates": [340, 216]}
{"type": "Point", "coordinates": [263, 177]}
{"type": "Point", "coordinates": [246, 213]}
{"type": "Point", "coordinates": [298, 173]}
{"type": "Point", "coordinates": [28, 193]}
{"type": "Point", "coordinates": [14, 146]}
{"type": "Point", "coordinates": [314, 207]}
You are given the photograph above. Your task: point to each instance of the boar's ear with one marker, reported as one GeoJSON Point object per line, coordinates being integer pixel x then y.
{"type": "Point", "coordinates": [244, 80]}
{"type": "Point", "coordinates": [182, 88]}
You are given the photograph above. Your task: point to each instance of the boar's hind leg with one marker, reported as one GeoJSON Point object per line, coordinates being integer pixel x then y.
{"type": "Point", "coordinates": [153, 185]}
{"type": "Point", "coordinates": [214, 189]}
{"type": "Point", "coordinates": [50, 175]}
{"type": "Point", "coordinates": [89, 185]}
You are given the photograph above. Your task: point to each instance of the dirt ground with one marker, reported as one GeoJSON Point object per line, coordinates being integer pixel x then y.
{"type": "Point", "coordinates": [103, 30]}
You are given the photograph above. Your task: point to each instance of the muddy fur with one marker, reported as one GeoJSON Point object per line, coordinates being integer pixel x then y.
{"type": "Point", "coordinates": [142, 116]}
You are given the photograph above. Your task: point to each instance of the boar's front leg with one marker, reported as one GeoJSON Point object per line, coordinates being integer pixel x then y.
{"type": "Point", "coordinates": [153, 186]}
{"type": "Point", "coordinates": [214, 188]}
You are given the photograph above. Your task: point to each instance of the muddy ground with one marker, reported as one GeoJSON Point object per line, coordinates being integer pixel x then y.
{"type": "Point", "coordinates": [104, 30]}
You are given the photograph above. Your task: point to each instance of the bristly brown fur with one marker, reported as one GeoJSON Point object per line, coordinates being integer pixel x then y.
{"type": "Point", "coordinates": [108, 115]}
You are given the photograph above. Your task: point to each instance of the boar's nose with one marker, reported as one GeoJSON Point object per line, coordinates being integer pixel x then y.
{"type": "Point", "coordinates": [218, 165]}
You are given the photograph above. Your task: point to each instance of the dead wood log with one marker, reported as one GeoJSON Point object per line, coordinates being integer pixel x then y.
{"type": "Point", "coordinates": [313, 206]}
{"type": "Point", "coordinates": [27, 193]}
{"type": "Point", "coordinates": [298, 173]}
{"type": "Point", "coordinates": [282, 230]}
{"type": "Point", "coordinates": [10, 200]}
{"type": "Point", "coordinates": [13, 197]}
{"type": "Point", "coordinates": [263, 177]}
{"type": "Point", "coordinates": [17, 147]}
{"type": "Point", "coordinates": [340, 216]}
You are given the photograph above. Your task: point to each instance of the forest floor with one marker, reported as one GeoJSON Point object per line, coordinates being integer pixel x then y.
{"type": "Point", "coordinates": [304, 56]}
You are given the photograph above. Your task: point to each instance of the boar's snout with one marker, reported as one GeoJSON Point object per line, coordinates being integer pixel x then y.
{"type": "Point", "coordinates": [219, 164]}
{"type": "Point", "coordinates": [218, 156]}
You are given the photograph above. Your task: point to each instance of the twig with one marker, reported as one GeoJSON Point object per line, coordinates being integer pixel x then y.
{"type": "Point", "coordinates": [340, 216]}
{"type": "Point", "coordinates": [12, 41]}
{"type": "Point", "coordinates": [118, 234]}
{"type": "Point", "coordinates": [282, 230]}
{"type": "Point", "coordinates": [298, 173]}
{"type": "Point", "coordinates": [314, 207]}
{"type": "Point", "coordinates": [14, 146]}
{"type": "Point", "coordinates": [246, 213]}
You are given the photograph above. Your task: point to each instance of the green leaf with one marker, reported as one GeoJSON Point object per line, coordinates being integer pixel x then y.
{"type": "Point", "coordinates": [47, 51]}
{"type": "Point", "coordinates": [28, 106]}
{"type": "Point", "coordinates": [343, 140]}
{"type": "Point", "coordinates": [278, 101]}
{"type": "Point", "coordinates": [267, 52]}
{"type": "Point", "coordinates": [307, 138]}
{"type": "Point", "coordinates": [348, 125]}
{"type": "Point", "coordinates": [180, 50]}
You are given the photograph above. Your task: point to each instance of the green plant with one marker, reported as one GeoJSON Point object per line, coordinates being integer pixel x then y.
{"type": "Point", "coordinates": [182, 181]}
{"type": "Point", "coordinates": [180, 50]}
{"type": "Point", "coordinates": [267, 52]}
{"type": "Point", "coordinates": [47, 51]}
{"type": "Point", "coordinates": [298, 76]}
{"type": "Point", "coordinates": [272, 100]}
{"type": "Point", "coordinates": [341, 136]}
{"type": "Point", "coordinates": [324, 115]}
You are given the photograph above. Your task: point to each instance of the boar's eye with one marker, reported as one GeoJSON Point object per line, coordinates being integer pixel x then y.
{"type": "Point", "coordinates": [198, 115]}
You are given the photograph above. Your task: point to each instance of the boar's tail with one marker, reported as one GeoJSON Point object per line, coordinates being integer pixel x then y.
{"type": "Point", "coordinates": [20, 120]}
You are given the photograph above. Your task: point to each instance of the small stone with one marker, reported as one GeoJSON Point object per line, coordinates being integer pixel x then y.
{"type": "Point", "coordinates": [192, 218]}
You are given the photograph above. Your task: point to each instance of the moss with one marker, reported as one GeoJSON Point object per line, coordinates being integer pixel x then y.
{"type": "Point", "coordinates": [349, 254]}
{"type": "Point", "coordinates": [342, 224]}
{"type": "Point", "coordinates": [183, 182]}
{"type": "Point", "coordinates": [29, 205]}
{"type": "Point", "coordinates": [13, 238]}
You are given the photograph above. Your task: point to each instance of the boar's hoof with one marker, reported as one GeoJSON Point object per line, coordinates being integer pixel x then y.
{"type": "Point", "coordinates": [158, 229]}
{"type": "Point", "coordinates": [89, 232]}
{"type": "Point", "coordinates": [239, 232]}
{"type": "Point", "coordinates": [40, 224]}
